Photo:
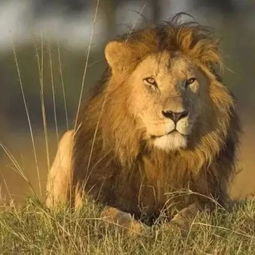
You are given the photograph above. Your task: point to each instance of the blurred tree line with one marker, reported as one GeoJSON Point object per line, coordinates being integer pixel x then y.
{"type": "Point", "coordinates": [234, 22]}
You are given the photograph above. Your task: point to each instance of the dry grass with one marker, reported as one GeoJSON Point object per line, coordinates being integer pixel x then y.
{"type": "Point", "coordinates": [35, 230]}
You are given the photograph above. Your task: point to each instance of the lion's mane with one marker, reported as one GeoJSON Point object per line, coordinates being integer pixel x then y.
{"type": "Point", "coordinates": [112, 162]}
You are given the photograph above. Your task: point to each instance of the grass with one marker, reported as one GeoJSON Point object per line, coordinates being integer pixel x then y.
{"type": "Point", "coordinates": [34, 229]}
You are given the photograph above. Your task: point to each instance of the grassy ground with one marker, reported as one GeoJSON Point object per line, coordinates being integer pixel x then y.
{"type": "Point", "coordinates": [33, 229]}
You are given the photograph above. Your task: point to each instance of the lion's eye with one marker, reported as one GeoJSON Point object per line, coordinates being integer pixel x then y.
{"type": "Point", "coordinates": [190, 81]}
{"type": "Point", "coordinates": [150, 81]}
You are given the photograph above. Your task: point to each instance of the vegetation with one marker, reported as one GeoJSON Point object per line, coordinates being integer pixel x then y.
{"type": "Point", "coordinates": [34, 229]}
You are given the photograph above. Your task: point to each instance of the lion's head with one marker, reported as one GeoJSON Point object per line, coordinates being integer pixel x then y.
{"type": "Point", "coordinates": [168, 93]}
{"type": "Point", "coordinates": [164, 80]}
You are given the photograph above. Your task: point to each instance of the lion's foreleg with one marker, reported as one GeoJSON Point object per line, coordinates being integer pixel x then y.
{"type": "Point", "coordinates": [60, 175]}
{"type": "Point", "coordinates": [123, 219]}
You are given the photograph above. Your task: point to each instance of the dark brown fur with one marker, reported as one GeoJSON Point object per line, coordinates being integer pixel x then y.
{"type": "Point", "coordinates": [113, 165]}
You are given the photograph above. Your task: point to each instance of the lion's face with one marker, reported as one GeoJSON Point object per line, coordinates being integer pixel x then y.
{"type": "Point", "coordinates": [166, 98]}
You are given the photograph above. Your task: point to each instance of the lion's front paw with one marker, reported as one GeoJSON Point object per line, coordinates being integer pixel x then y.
{"type": "Point", "coordinates": [185, 217]}
{"type": "Point", "coordinates": [123, 219]}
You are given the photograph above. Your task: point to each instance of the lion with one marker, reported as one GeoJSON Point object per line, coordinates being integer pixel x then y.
{"type": "Point", "coordinates": [158, 137]}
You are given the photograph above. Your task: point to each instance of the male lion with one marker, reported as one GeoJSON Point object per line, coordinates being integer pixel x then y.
{"type": "Point", "coordinates": [162, 123]}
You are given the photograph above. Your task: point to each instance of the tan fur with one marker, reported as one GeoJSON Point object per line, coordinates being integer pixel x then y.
{"type": "Point", "coordinates": [117, 158]}
{"type": "Point", "coordinates": [59, 177]}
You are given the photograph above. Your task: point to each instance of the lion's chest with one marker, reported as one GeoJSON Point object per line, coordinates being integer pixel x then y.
{"type": "Point", "coordinates": [146, 189]}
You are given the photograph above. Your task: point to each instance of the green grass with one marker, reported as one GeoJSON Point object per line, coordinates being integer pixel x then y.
{"type": "Point", "coordinates": [34, 229]}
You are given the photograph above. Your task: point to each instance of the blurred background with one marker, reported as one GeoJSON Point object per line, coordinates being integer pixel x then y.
{"type": "Point", "coordinates": [49, 49]}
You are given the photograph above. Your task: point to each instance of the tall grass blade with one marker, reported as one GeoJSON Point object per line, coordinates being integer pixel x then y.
{"type": "Point", "coordinates": [92, 33]}
{"type": "Point", "coordinates": [40, 64]}
{"type": "Point", "coordinates": [53, 91]}
{"type": "Point", "coordinates": [28, 116]}
{"type": "Point", "coordinates": [63, 85]}
{"type": "Point", "coordinates": [17, 168]}
{"type": "Point", "coordinates": [136, 20]}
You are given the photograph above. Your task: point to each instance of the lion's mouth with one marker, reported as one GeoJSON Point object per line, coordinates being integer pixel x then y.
{"type": "Point", "coordinates": [174, 131]}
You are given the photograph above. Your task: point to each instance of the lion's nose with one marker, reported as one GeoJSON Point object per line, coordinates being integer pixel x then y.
{"type": "Point", "coordinates": [175, 116]}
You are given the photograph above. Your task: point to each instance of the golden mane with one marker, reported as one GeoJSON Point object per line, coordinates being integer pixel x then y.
{"type": "Point", "coordinates": [190, 38]}
{"type": "Point", "coordinates": [111, 161]}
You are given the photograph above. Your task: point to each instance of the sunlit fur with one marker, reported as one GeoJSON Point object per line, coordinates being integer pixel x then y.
{"type": "Point", "coordinates": [171, 142]}
{"type": "Point", "coordinates": [115, 160]}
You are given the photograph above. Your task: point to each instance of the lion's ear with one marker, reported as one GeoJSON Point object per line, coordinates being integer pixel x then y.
{"type": "Point", "coordinates": [118, 55]}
